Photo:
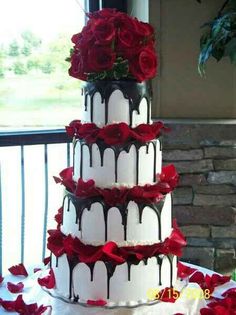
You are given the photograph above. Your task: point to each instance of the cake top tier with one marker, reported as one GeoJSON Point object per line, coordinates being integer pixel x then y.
{"type": "Point", "coordinates": [113, 46]}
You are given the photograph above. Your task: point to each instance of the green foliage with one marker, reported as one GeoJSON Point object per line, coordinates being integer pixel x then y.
{"type": "Point", "coordinates": [19, 68]}
{"type": "Point", "coordinates": [120, 70]}
{"type": "Point", "coordinates": [33, 63]}
{"type": "Point", "coordinates": [219, 40]}
{"type": "Point", "coordinates": [1, 69]}
{"type": "Point", "coordinates": [47, 67]}
{"type": "Point", "coordinates": [26, 50]}
{"type": "Point", "coordinates": [31, 39]}
{"type": "Point", "coordinates": [14, 49]}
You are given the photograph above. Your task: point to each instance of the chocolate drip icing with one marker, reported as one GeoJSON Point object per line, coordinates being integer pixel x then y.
{"type": "Point", "coordinates": [102, 146]}
{"type": "Point", "coordinates": [110, 271]}
{"type": "Point", "coordinates": [159, 262]}
{"type": "Point", "coordinates": [170, 258]}
{"type": "Point", "coordinates": [137, 167]}
{"type": "Point", "coordinates": [134, 92]}
{"type": "Point", "coordinates": [81, 160]}
{"type": "Point", "coordinates": [50, 262]}
{"type": "Point", "coordinates": [154, 161]}
{"type": "Point", "coordinates": [91, 267]}
{"type": "Point", "coordinates": [81, 204]}
{"type": "Point", "coordinates": [110, 268]}
{"type": "Point", "coordinates": [72, 262]}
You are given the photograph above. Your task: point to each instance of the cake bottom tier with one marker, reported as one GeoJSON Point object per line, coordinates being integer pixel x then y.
{"type": "Point", "coordinates": [126, 284]}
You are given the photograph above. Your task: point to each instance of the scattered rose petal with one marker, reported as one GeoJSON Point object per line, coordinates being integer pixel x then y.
{"type": "Point", "coordinates": [48, 281]}
{"type": "Point", "coordinates": [169, 295]}
{"type": "Point", "coordinates": [96, 302]}
{"type": "Point", "coordinates": [184, 271]}
{"type": "Point", "coordinates": [15, 287]}
{"type": "Point", "coordinates": [47, 260]}
{"type": "Point", "coordinates": [1, 279]}
{"type": "Point", "coordinates": [230, 293]}
{"type": "Point", "coordinates": [37, 269]}
{"type": "Point", "coordinates": [22, 308]}
{"type": "Point", "coordinates": [18, 270]}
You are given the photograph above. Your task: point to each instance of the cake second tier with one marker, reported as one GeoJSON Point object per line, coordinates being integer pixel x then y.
{"type": "Point", "coordinates": [129, 164]}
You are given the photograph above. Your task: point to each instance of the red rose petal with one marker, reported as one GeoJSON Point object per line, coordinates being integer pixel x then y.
{"type": "Point", "coordinates": [49, 281]}
{"type": "Point", "coordinates": [197, 277]}
{"type": "Point", "coordinates": [37, 269]}
{"type": "Point", "coordinates": [22, 308]}
{"type": "Point", "coordinates": [15, 287]}
{"type": "Point", "coordinates": [47, 260]}
{"type": "Point", "coordinates": [184, 271]}
{"type": "Point", "coordinates": [207, 311]}
{"type": "Point", "coordinates": [169, 295]}
{"type": "Point", "coordinates": [1, 279]}
{"type": "Point", "coordinates": [96, 302]}
{"type": "Point", "coordinates": [18, 270]}
{"type": "Point", "coordinates": [229, 293]}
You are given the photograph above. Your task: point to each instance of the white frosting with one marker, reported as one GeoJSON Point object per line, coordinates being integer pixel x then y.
{"type": "Point", "coordinates": [146, 232]}
{"type": "Point", "coordinates": [118, 110]}
{"type": "Point", "coordinates": [122, 292]}
{"type": "Point", "coordinates": [104, 176]}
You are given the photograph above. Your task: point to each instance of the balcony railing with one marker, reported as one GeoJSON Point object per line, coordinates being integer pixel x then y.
{"type": "Point", "coordinates": [28, 159]}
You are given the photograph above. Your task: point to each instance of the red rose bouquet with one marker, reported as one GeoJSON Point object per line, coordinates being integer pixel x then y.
{"type": "Point", "coordinates": [113, 46]}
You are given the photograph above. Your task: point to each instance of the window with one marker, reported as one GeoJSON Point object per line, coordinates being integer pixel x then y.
{"type": "Point", "coordinates": [35, 88]}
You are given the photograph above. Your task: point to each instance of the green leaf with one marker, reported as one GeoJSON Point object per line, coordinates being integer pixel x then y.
{"type": "Point", "coordinates": [230, 47]}
{"type": "Point", "coordinates": [218, 53]}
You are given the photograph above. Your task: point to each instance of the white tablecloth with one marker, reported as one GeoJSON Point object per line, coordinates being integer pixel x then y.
{"type": "Point", "coordinates": [33, 293]}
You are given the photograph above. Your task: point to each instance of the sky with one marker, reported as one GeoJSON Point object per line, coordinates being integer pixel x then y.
{"type": "Point", "coordinates": [43, 17]}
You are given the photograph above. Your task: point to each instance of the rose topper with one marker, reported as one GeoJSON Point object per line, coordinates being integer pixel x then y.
{"type": "Point", "coordinates": [113, 46]}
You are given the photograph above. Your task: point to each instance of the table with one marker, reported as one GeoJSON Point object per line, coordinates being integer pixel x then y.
{"type": "Point", "coordinates": [34, 293]}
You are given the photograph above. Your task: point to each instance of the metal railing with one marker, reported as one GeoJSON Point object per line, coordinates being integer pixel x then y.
{"type": "Point", "coordinates": [21, 140]}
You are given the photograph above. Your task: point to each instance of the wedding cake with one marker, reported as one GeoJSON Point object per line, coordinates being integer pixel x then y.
{"type": "Point", "coordinates": [115, 237]}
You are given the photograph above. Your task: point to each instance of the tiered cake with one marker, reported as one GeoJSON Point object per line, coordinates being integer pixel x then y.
{"type": "Point", "coordinates": [115, 239]}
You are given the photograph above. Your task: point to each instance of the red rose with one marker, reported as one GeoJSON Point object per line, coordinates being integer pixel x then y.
{"type": "Point", "coordinates": [73, 128]}
{"type": "Point", "coordinates": [85, 39]}
{"type": "Point", "coordinates": [144, 65]}
{"type": "Point", "coordinates": [148, 62]}
{"type": "Point", "coordinates": [101, 58]}
{"type": "Point", "coordinates": [127, 39]}
{"type": "Point", "coordinates": [115, 133]}
{"type": "Point", "coordinates": [104, 32]}
{"type": "Point", "coordinates": [104, 13]}
{"type": "Point", "coordinates": [76, 38]}
{"type": "Point", "coordinates": [77, 69]}
{"type": "Point", "coordinates": [144, 29]}
{"type": "Point", "coordinates": [89, 132]}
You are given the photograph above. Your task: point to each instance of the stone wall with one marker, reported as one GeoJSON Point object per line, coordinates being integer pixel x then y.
{"type": "Point", "coordinates": [205, 200]}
